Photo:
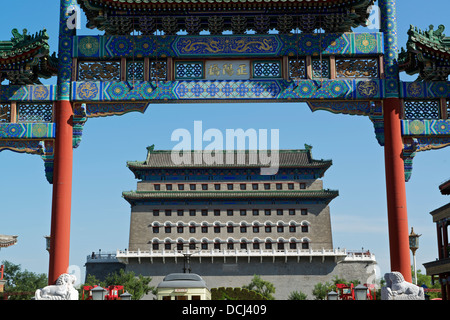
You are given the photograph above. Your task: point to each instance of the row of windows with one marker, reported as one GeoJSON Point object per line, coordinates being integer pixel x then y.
{"type": "Point", "coordinates": [230, 229]}
{"type": "Point", "coordinates": [232, 245]}
{"type": "Point", "coordinates": [233, 186]}
{"type": "Point", "coordinates": [230, 212]}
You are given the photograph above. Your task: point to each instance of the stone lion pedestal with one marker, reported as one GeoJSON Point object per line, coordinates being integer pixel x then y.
{"type": "Point", "coordinates": [399, 289]}
{"type": "Point", "coordinates": [62, 290]}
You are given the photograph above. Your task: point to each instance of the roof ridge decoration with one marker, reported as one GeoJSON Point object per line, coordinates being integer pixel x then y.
{"type": "Point", "coordinates": [427, 54]}
{"type": "Point", "coordinates": [26, 57]}
{"type": "Point", "coordinates": [25, 38]}
{"type": "Point", "coordinates": [164, 161]}
{"type": "Point", "coordinates": [152, 151]}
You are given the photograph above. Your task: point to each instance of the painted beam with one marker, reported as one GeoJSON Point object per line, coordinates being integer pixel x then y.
{"type": "Point", "coordinates": [262, 89]}
{"type": "Point", "coordinates": [249, 46]}
{"type": "Point", "coordinates": [38, 93]}
{"type": "Point", "coordinates": [417, 128]}
{"type": "Point", "coordinates": [425, 90]}
{"type": "Point", "coordinates": [27, 130]}
{"type": "Point", "coordinates": [226, 90]}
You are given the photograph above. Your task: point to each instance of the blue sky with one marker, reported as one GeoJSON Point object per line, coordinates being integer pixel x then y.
{"type": "Point", "coordinates": [100, 216]}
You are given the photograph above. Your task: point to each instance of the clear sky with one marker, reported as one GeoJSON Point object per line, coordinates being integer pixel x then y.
{"type": "Point", "coordinates": [100, 216]}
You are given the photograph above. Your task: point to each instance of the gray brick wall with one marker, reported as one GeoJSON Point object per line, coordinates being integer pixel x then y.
{"type": "Point", "coordinates": [287, 276]}
{"type": "Point", "coordinates": [302, 222]}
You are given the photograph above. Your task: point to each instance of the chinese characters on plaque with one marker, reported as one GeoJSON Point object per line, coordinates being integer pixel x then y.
{"type": "Point", "coordinates": [227, 70]}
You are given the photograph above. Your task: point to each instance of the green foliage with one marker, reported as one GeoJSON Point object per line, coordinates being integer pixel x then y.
{"type": "Point", "coordinates": [18, 281]}
{"type": "Point", "coordinates": [424, 280]}
{"type": "Point", "coordinates": [137, 286]}
{"type": "Point", "coordinates": [321, 290]}
{"type": "Point", "coordinates": [297, 295]}
{"type": "Point", "coordinates": [337, 280]}
{"type": "Point", "coordinates": [223, 293]}
{"type": "Point", "coordinates": [261, 286]}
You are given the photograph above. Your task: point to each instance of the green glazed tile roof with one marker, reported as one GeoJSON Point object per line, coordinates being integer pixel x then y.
{"type": "Point", "coordinates": [431, 39]}
{"type": "Point", "coordinates": [26, 58]}
{"type": "Point", "coordinates": [240, 159]}
{"type": "Point", "coordinates": [313, 194]}
{"type": "Point", "coordinates": [427, 54]}
{"type": "Point", "coordinates": [21, 44]}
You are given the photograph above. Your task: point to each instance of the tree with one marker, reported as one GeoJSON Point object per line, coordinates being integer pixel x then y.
{"type": "Point", "coordinates": [425, 281]}
{"type": "Point", "coordinates": [338, 280]}
{"type": "Point", "coordinates": [261, 286]}
{"type": "Point", "coordinates": [22, 284]}
{"type": "Point", "coordinates": [137, 286]}
{"type": "Point", "coordinates": [321, 290]}
{"type": "Point", "coordinates": [297, 295]}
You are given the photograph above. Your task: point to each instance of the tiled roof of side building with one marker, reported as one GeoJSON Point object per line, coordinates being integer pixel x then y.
{"type": "Point", "coordinates": [233, 159]}
{"type": "Point", "coordinates": [445, 187]}
{"type": "Point", "coordinates": [6, 241]}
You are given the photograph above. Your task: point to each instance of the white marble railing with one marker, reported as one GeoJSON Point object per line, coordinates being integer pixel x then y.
{"type": "Point", "coordinates": [337, 254]}
{"type": "Point", "coordinates": [231, 252]}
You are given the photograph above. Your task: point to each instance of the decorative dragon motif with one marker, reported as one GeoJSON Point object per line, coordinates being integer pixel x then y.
{"type": "Point", "coordinates": [239, 45]}
{"type": "Point", "coordinates": [210, 46]}
{"type": "Point", "coordinates": [243, 46]}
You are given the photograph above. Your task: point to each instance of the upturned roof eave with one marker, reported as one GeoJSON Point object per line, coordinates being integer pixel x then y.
{"type": "Point", "coordinates": [14, 56]}
{"type": "Point", "coordinates": [445, 187]}
{"type": "Point", "coordinates": [430, 40]}
{"type": "Point", "coordinates": [316, 194]}
{"type": "Point", "coordinates": [434, 48]}
{"type": "Point", "coordinates": [7, 241]}
{"type": "Point", "coordinates": [133, 198]}
{"type": "Point", "coordinates": [139, 166]}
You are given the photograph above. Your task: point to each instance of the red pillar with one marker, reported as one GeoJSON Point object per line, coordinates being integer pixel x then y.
{"type": "Point", "coordinates": [395, 188]}
{"type": "Point", "coordinates": [62, 192]}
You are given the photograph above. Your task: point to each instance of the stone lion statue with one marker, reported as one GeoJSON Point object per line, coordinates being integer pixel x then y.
{"type": "Point", "coordinates": [399, 289]}
{"type": "Point", "coordinates": [62, 290]}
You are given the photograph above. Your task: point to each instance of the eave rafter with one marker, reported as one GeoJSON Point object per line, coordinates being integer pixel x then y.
{"type": "Point", "coordinates": [119, 17]}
